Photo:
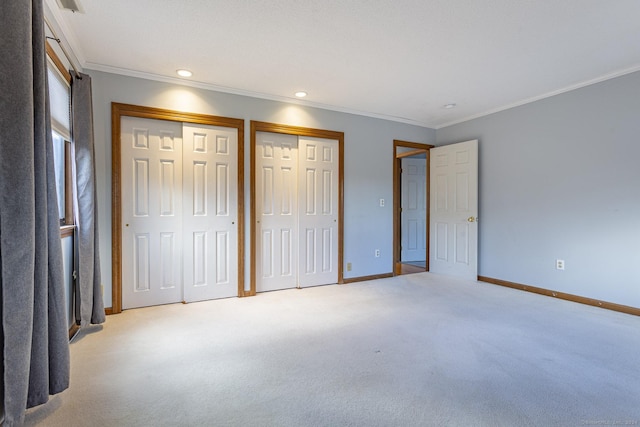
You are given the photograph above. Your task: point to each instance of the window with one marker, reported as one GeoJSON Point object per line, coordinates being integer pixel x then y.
{"type": "Point", "coordinates": [60, 105]}
{"type": "Point", "coordinates": [62, 160]}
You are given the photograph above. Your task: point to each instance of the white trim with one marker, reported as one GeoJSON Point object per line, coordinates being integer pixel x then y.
{"type": "Point", "coordinates": [242, 92]}
{"type": "Point", "coordinates": [67, 38]}
{"type": "Point", "coordinates": [586, 83]}
{"type": "Point", "coordinates": [54, 20]}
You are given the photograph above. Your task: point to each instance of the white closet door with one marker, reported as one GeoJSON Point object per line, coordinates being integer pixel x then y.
{"type": "Point", "coordinates": [210, 212]}
{"type": "Point", "coordinates": [151, 163]}
{"type": "Point", "coordinates": [276, 211]}
{"type": "Point", "coordinates": [318, 216]}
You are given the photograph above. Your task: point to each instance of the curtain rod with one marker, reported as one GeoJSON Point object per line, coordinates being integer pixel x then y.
{"type": "Point", "coordinates": [64, 51]}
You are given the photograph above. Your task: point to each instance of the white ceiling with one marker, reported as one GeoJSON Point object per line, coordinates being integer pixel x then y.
{"type": "Point", "coordinates": [396, 59]}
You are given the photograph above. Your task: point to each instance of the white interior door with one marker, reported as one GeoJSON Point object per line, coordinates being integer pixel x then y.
{"type": "Point", "coordinates": [414, 209]}
{"type": "Point", "coordinates": [454, 210]}
{"type": "Point", "coordinates": [276, 211]}
{"type": "Point", "coordinates": [210, 158]}
{"type": "Point", "coordinates": [151, 162]}
{"type": "Point", "coordinates": [318, 216]}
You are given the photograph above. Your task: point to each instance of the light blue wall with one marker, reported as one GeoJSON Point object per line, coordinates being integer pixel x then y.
{"type": "Point", "coordinates": [368, 158]}
{"type": "Point", "coordinates": [560, 178]}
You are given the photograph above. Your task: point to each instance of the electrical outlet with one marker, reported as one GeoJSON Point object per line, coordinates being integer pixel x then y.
{"type": "Point", "coordinates": [377, 253]}
{"type": "Point", "coordinates": [559, 264]}
{"type": "Point", "coordinates": [348, 266]}
{"type": "Point", "coordinates": [382, 203]}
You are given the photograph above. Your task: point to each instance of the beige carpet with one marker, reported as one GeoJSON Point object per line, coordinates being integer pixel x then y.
{"type": "Point", "coordinates": [417, 350]}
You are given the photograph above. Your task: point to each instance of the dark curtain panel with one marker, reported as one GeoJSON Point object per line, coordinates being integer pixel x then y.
{"type": "Point", "coordinates": [89, 280]}
{"type": "Point", "coordinates": [34, 329]}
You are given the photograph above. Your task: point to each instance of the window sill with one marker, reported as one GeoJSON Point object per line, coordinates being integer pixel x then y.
{"type": "Point", "coordinates": [67, 230]}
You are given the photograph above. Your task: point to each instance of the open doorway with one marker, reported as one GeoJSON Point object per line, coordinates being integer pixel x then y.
{"type": "Point", "coordinates": [411, 207]}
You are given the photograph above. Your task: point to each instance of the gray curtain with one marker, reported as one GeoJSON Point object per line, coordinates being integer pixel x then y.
{"type": "Point", "coordinates": [35, 342]}
{"type": "Point", "coordinates": [89, 284]}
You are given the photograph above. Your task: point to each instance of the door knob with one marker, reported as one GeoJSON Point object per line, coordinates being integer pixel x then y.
{"type": "Point", "coordinates": [472, 219]}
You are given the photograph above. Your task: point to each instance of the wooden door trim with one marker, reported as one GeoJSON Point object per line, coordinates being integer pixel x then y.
{"type": "Point", "coordinates": [119, 110]}
{"type": "Point", "coordinates": [410, 153]}
{"type": "Point", "coordinates": [397, 192]}
{"type": "Point", "coordinates": [257, 126]}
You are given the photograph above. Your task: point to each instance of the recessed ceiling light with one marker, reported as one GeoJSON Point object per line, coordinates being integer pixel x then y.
{"type": "Point", "coordinates": [450, 106]}
{"type": "Point", "coordinates": [184, 73]}
{"type": "Point", "coordinates": [301, 94]}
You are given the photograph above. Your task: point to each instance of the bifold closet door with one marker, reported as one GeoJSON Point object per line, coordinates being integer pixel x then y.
{"type": "Point", "coordinates": [277, 211]}
{"type": "Point", "coordinates": [297, 211]}
{"type": "Point", "coordinates": [318, 212]}
{"type": "Point", "coordinates": [210, 212]}
{"type": "Point", "coordinates": [179, 212]}
{"type": "Point", "coordinates": [151, 167]}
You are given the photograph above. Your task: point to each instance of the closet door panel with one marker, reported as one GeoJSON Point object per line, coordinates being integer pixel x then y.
{"type": "Point", "coordinates": [151, 165]}
{"type": "Point", "coordinates": [277, 211]}
{"type": "Point", "coordinates": [318, 221]}
{"type": "Point", "coordinates": [210, 212]}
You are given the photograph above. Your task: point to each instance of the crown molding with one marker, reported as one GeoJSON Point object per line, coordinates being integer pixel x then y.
{"type": "Point", "coordinates": [57, 24]}
{"type": "Point", "coordinates": [54, 18]}
{"type": "Point", "coordinates": [248, 93]}
{"type": "Point", "coordinates": [585, 83]}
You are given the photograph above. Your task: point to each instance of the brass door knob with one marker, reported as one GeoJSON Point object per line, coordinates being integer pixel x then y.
{"type": "Point", "coordinates": [472, 219]}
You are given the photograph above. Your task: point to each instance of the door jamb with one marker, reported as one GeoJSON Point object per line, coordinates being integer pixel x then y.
{"type": "Point", "coordinates": [397, 193]}
{"type": "Point", "coordinates": [257, 126]}
{"type": "Point", "coordinates": [119, 110]}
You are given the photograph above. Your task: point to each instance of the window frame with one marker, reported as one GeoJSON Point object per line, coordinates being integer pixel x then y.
{"type": "Point", "coordinates": [67, 224]}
